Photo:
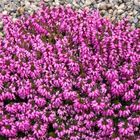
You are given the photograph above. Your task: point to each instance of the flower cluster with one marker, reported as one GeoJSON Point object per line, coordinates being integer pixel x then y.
{"type": "Point", "coordinates": [69, 75]}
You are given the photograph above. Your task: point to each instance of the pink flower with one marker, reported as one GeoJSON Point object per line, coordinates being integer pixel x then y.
{"type": "Point", "coordinates": [112, 75]}
{"type": "Point", "coordinates": [105, 124]}
{"type": "Point", "coordinates": [68, 74]}
{"type": "Point", "coordinates": [125, 129]}
{"type": "Point", "coordinates": [129, 95]}
{"type": "Point", "coordinates": [117, 106]}
{"type": "Point", "coordinates": [23, 125]}
{"type": "Point", "coordinates": [9, 130]}
{"type": "Point", "coordinates": [39, 101]}
{"type": "Point", "coordinates": [124, 112]}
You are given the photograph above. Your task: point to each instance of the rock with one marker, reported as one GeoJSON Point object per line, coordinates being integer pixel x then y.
{"type": "Point", "coordinates": [135, 20]}
{"type": "Point", "coordinates": [103, 12]}
{"type": "Point", "coordinates": [128, 8]}
{"type": "Point", "coordinates": [88, 2]}
{"type": "Point", "coordinates": [113, 1]}
{"type": "Point", "coordinates": [14, 19]}
{"type": "Point", "coordinates": [122, 6]}
{"type": "Point", "coordinates": [116, 6]}
{"type": "Point", "coordinates": [27, 4]}
{"type": "Point", "coordinates": [110, 11]}
{"type": "Point", "coordinates": [22, 3]}
{"type": "Point", "coordinates": [120, 1]}
{"type": "Point", "coordinates": [120, 11]}
{"type": "Point", "coordinates": [131, 13]}
{"type": "Point", "coordinates": [123, 15]}
{"type": "Point", "coordinates": [13, 7]}
{"type": "Point", "coordinates": [130, 18]}
{"type": "Point", "coordinates": [115, 12]}
{"type": "Point", "coordinates": [133, 25]}
{"type": "Point", "coordinates": [129, 3]}
{"type": "Point", "coordinates": [102, 6]}
{"type": "Point", "coordinates": [126, 1]}
{"type": "Point", "coordinates": [113, 18]}
{"type": "Point", "coordinates": [109, 6]}
{"type": "Point", "coordinates": [4, 12]}
{"type": "Point", "coordinates": [33, 7]}
{"type": "Point", "coordinates": [139, 17]}
{"type": "Point", "coordinates": [108, 16]}
{"type": "Point", "coordinates": [1, 25]}
{"type": "Point", "coordinates": [14, 15]}
{"type": "Point", "coordinates": [75, 4]}
{"type": "Point", "coordinates": [20, 10]}
{"type": "Point", "coordinates": [137, 25]}
{"type": "Point", "coordinates": [30, 11]}
{"type": "Point", "coordinates": [135, 12]}
{"type": "Point", "coordinates": [137, 3]}
{"type": "Point", "coordinates": [57, 2]}
{"type": "Point", "coordinates": [95, 5]}
{"type": "Point", "coordinates": [1, 34]}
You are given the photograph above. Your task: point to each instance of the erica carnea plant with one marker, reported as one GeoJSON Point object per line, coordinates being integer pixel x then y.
{"type": "Point", "coordinates": [69, 75]}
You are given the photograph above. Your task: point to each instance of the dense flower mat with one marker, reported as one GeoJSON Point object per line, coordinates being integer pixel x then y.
{"type": "Point", "coordinates": [69, 75]}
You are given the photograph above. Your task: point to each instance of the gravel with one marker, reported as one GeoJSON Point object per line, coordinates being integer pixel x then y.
{"type": "Point", "coordinates": [113, 9]}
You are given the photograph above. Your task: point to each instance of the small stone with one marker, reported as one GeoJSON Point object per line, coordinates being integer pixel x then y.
{"type": "Point", "coordinates": [27, 4]}
{"type": "Point", "coordinates": [57, 2]}
{"type": "Point", "coordinates": [14, 15]}
{"type": "Point", "coordinates": [1, 25]}
{"type": "Point", "coordinates": [113, 1]}
{"type": "Point", "coordinates": [137, 25]}
{"type": "Point", "coordinates": [116, 6]}
{"type": "Point", "coordinates": [137, 3]}
{"type": "Point", "coordinates": [115, 12]}
{"type": "Point", "coordinates": [120, 1]}
{"type": "Point", "coordinates": [103, 12]}
{"type": "Point", "coordinates": [13, 7]}
{"type": "Point", "coordinates": [131, 13]}
{"type": "Point", "coordinates": [129, 3]}
{"type": "Point", "coordinates": [88, 2]}
{"type": "Point", "coordinates": [135, 12]}
{"type": "Point", "coordinates": [133, 25]}
{"type": "Point", "coordinates": [46, 0]}
{"type": "Point", "coordinates": [33, 7]}
{"type": "Point", "coordinates": [14, 19]}
{"type": "Point", "coordinates": [120, 11]}
{"type": "Point", "coordinates": [129, 7]}
{"type": "Point", "coordinates": [20, 10]}
{"type": "Point", "coordinates": [126, 1]}
{"type": "Point", "coordinates": [110, 11]}
{"type": "Point", "coordinates": [130, 18]}
{"type": "Point", "coordinates": [135, 20]}
{"type": "Point", "coordinates": [122, 6]}
{"type": "Point", "coordinates": [75, 4]}
{"type": "Point", "coordinates": [102, 6]}
{"type": "Point", "coordinates": [1, 34]}
{"type": "Point", "coordinates": [4, 12]}
{"type": "Point", "coordinates": [95, 5]}
{"type": "Point", "coordinates": [123, 15]}
{"type": "Point", "coordinates": [6, 7]}
{"type": "Point", "coordinates": [139, 17]}
{"type": "Point", "coordinates": [109, 6]}
{"type": "Point", "coordinates": [108, 16]}
{"type": "Point", "coordinates": [113, 18]}
{"type": "Point", "coordinates": [30, 11]}
{"type": "Point", "coordinates": [22, 3]}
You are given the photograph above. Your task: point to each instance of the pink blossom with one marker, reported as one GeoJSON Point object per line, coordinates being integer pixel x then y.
{"type": "Point", "coordinates": [69, 74]}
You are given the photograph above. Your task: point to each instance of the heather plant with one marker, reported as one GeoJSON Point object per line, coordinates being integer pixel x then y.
{"type": "Point", "coordinates": [69, 75]}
